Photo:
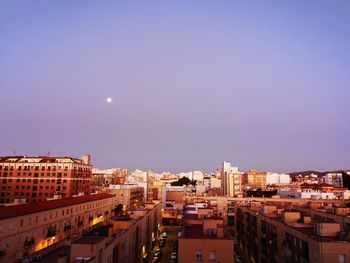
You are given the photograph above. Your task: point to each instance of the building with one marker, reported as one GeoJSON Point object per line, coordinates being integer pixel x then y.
{"type": "Point", "coordinates": [204, 237]}
{"type": "Point", "coordinates": [128, 195]}
{"type": "Point", "coordinates": [254, 179]}
{"type": "Point", "coordinates": [175, 196]}
{"type": "Point", "coordinates": [36, 179]}
{"type": "Point", "coordinates": [280, 232]}
{"type": "Point", "coordinates": [335, 179]}
{"type": "Point", "coordinates": [109, 176]}
{"type": "Point", "coordinates": [277, 179]}
{"type": "Point", "coordinates": [124, 239]}
{"type": "Point", "coordinates": [231, 180]}
{"type": "Point", "coordinates": [32, 228]}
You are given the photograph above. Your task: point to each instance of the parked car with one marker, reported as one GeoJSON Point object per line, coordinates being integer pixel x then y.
{"type": "Point", "coordinates": [156, 258]}
{"type": "Point", "coordinates": [158, 255]}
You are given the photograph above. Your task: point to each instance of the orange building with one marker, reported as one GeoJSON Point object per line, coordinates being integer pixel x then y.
{"type": "Point", "coordinates": [35, 179]}
{"type": "Point", "coordinates": [204, 238]}
{"type": "Point", "coordinates": [254, 179]}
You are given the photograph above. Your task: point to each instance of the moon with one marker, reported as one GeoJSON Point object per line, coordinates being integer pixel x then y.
{"type": "Point", "coordinates": [109, 100]}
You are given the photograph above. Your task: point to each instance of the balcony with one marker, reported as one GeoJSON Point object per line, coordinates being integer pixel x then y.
{"type": "Point", "coordinates": [51, 232]}
{"type": "Point", "coordinates": [67, 228]}
{"type": "Point", "coordinates": [287, 243]}
{"type": "Point", "coordinates": [29, 242]}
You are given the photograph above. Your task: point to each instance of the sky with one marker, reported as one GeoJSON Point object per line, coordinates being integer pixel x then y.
{"type": "Point", "coordinates": [262, 84]}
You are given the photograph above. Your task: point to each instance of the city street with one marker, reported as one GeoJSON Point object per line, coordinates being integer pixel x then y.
{"type": "Point", "coordinates": [168, 248]}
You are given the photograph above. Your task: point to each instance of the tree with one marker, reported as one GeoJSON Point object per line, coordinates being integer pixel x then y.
{"type": "Point", "coordinates": [182, 181]}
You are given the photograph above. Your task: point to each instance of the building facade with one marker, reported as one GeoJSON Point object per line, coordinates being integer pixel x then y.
{"type": "Point", "coordinates": [231, 180]}
{"type": "Point", "coordinates": [36, 179]}
{"type": "Point", "coordinates": [31, 228]}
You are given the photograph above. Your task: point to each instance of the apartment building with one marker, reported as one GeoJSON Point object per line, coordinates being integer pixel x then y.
{"type": "Point", "coordinates": [109, 176]}
{"type": "Point", "coordinates": [276, 232]}
{"type": "Point", "coordinates": [124, 239]}
{"type": "Point", "coordinates": [129, 195]}
{"type": "Point", "coordinates": [36, 179]}
{"type": "Point", "coordinates": [231, 180]}
{"type": "Point", "coordinates": [204, 237]}
{"type": "Point", "coordinates": [31, 228]}
{"type": "Point", "coordinates": [254, 179]}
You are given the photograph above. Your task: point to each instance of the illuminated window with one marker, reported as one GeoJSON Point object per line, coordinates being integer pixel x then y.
{"type": "Point", "coordinates": [341, 258]}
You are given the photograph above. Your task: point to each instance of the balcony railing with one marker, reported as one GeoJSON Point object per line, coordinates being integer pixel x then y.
{"type": "Point", "coordinates": [51, 232]}
{"type": "Point", "coordinates": [287, 243]}
{"type": "Point", "coordinates": [29, 242]}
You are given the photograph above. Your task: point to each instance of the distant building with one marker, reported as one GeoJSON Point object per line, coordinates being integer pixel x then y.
{"type": "Point", "coordinates": [335, 179]}
{"type": "Point", "coordinates": [35, 179]}
{"type": "Point", "coordinates": [129, 195]}
{"type": "Point", "coordinates": [277, 179]}
{"type": "Point", "coordinates": [254, 179]}
{"type": "Point", "coordinates": [109, 176]}
{"type": "Point", "coordinates": [231, 180]}
{"type": "Point", "coordinates": [175, 195]}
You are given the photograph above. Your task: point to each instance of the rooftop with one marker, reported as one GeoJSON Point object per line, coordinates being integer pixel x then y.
{"type": "Point", "coordinates": [39, 159]}
{"type": "Point", "coordinates": [90, 240]}
{"type": "Point", "coordinates": [25, 209]}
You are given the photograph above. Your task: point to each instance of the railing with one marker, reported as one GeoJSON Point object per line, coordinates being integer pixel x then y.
{"type": "Point", "coordinates": [287, 243]}
{"type": "Point", "coordinates": [29, 242]}
{"type": "Point", "coordinates": [51, 232]}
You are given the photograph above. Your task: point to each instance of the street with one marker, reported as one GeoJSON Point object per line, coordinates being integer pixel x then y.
{"type": "Point", "coordinates": [169, 244]}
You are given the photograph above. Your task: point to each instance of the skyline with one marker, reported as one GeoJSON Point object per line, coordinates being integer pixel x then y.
{"type": "Point", "coordinates": [263, 86]}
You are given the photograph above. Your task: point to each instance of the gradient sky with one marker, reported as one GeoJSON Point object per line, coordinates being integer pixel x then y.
{"type": "Point", "coordinates": [262, 84]}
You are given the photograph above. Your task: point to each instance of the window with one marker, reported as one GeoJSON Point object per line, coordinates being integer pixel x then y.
{"type": "Point", "coordinates": [212, 255]}
{"type": "Point", "coordinates": [341, 258]}
{"type": "Point", "coordinates": [199, 255]}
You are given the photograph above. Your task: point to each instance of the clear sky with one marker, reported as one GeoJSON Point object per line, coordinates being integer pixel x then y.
{"type": "Point", "coordinates": [262, 84]}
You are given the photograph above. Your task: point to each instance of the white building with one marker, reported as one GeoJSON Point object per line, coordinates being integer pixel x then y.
{"type": "Point", "coordinates": [335, 179]}
{"type": "Point", "coordinates": [215, 182]}
{"type": "Point", "coordinates": [198, 176]}
{"type": "Point", "coordinates": [231, 180]}
{"type": "Point", "coordinates": [277, 178]}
